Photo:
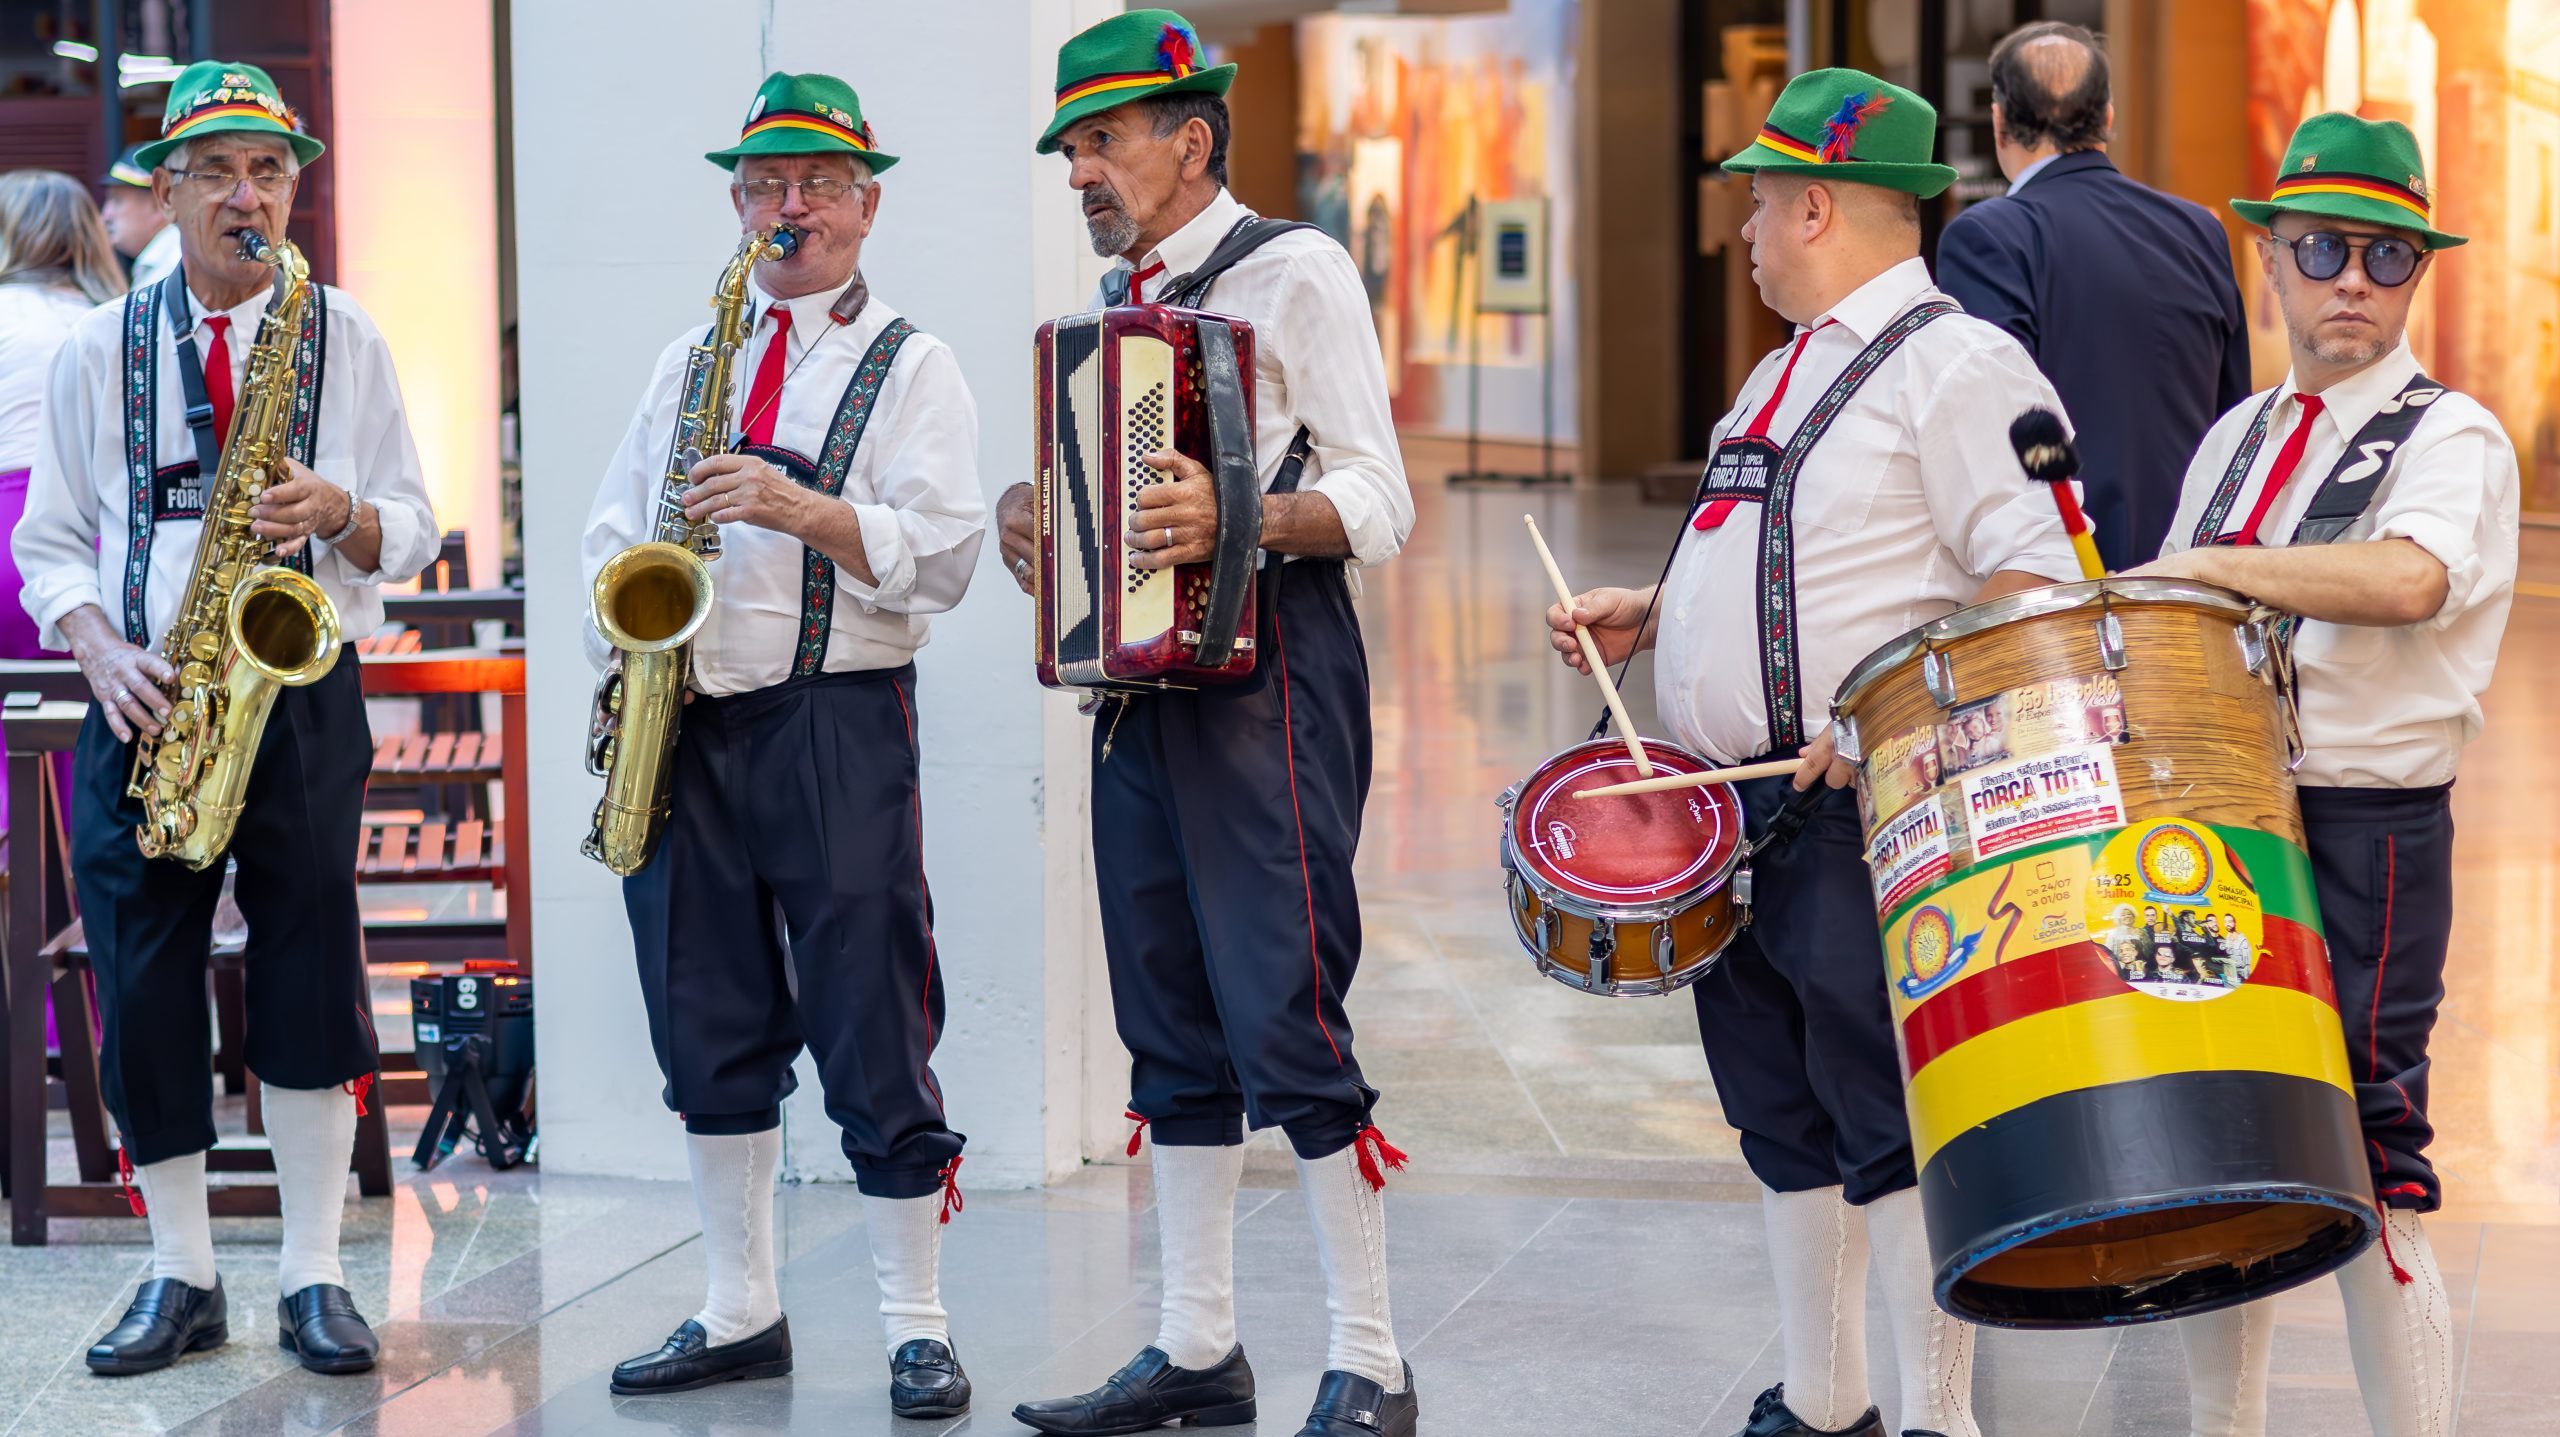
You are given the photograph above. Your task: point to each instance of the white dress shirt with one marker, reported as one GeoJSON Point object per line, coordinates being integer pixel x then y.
{"type": "Point", "coordinates": [2386, 707]}
{"type": "Point", "coordinates": [71, 546]}
{"type": "Point", "coordinates": [1902, 510]}
{"type": "Point", "coordinates": [159, 256]}
{"type": "Point", "coordinates": [34, 321]}
{"type": "Point", "coordinates": [913, 486]}
{"type": "Point", "coordinates": [2031, 171]}
{"type": "Point", "coordinates": [1315, 362]}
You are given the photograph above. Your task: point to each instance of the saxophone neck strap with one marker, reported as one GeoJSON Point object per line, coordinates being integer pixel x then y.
{"type": "Point", "coordinates": [181, 309]}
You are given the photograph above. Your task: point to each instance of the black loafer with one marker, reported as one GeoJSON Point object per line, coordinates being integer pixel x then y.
{"type": "Point", "coordinates": [1353, 1406]}
{"type": "Point", "coordinates": [167, 1320]}
{"type": "Point", "coordinates": [1771, 1417]}
{"type": "Point", "coordinates": [689, 1361]}
{"type": "Point", "coordinates": [1150, 1392]}
{"type": "Point", "coordinates": [925, 1380]}
{"type": "Point", "coordinates": [321, 1326]}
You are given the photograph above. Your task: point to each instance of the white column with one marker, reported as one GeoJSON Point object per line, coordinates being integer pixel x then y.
{"type": "Point", "coordinates": [621, 228]}
{"type": "Point", "coordinates": [415, 160]}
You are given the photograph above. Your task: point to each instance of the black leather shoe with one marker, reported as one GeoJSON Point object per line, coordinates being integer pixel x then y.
{"type": "Point", "coordinates": [167, 1320]}
{"type": "Point", "coordinates": [1150, 1392]}
{"type": "Point", "coordinates": [1771, 1417]}
{"type": "Point", "coordinates": [925, 1380]}
{"type": "Point", "coordinates": [321, 1326]}
{"type": "Point", "coordinates": [1920, 1432]}
{"type": "Point", "coordinates": [1351, 1406]}
{"type": "Point", "coordinates": [689, 1361]}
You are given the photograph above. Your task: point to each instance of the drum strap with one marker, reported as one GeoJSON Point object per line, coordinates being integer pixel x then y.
{"type": "Point", "coordinates": [2352, 483]}
{"type": "Point", "coordinates": [1777, 566]}
{"type": "Point", "coordinates": [844, 436]}
{"type": "Point", "coordinates": [1779, 658]}
{"type": "Point", "coordinates": [143, 308]}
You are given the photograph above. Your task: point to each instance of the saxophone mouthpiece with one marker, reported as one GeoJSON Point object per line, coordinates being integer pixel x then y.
{"type": "Point", "coordinates": [784, 242]}
{"type": "Point", "coordinates": [254, 247]}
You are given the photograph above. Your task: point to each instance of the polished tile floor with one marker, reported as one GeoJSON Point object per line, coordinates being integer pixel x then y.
{"type": "Point", "coordinates": [1576, 1248]}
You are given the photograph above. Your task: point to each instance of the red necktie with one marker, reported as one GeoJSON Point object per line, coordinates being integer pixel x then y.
{"type": "Point", "coordinates": [764, 396]}
{"type": "Point", "coordinates": [1138, 282]}
{"type": "Point", "coordinates": [1716, 509]}
{"type": "Point", "coordinates": [217, 379]}
{"type": "Point", "coordinates": [2286, 458]}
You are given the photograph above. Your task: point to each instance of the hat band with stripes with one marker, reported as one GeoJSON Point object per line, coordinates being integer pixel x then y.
{"type": "Point", "coordinates": [2367, 187]}
{"type": "Point", "coordinates": [804, 120]}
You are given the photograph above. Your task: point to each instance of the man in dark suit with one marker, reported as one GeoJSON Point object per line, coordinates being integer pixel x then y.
{"type": "Point", "coordinates": [2124, 295]}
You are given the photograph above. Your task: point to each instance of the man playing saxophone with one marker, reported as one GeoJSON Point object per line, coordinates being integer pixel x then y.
{"type": "Point", "coordinates": [785, 901]}
{"type": "Point", "coordinates": [139, 407]}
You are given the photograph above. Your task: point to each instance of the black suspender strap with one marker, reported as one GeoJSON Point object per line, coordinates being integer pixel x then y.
{"type": "Point", "coordinates": [181, 312]}
{"type": "Point", "coordinates": [2353, 481]}
{"type": "Point", "coordinates": [1780, 655]}
{"type": "Point", "coordinates": [835, 461]}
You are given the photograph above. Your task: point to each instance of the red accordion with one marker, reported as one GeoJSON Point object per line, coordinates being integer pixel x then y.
{"type": "Point", "coordinates": [1115, 385]}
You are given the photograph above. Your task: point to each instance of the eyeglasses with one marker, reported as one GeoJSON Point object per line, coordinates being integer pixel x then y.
{"type": "Point", "coordinates": [2322, 254]}
{"type": "Point", "coordinates": [819, 191]}
{"type": "Point", "coordinates": [220, 183]}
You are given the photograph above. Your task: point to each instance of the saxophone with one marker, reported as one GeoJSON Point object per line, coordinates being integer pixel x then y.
{"type": "Point", "coordinates": [650, 599]}
{"type": "Point", "coordinates": [246, 626]}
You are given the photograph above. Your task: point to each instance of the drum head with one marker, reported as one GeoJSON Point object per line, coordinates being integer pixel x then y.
{"type": "Point", "coordinates": [1635, 851]}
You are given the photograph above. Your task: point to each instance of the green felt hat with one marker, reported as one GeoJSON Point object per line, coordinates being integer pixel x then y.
{"type": "Point", "coordinates": [1129, 57]}
{"type": "Point", "coordinates": [804, 115]}
{"type": "Point", "coordinates": [210, 97]}
{"type": "Point", "coordinates": [2352, 169]}
{"type": "Point", "coordinates": [128, 170]}
{"type": "Point", "coordinates": [1849, 125]}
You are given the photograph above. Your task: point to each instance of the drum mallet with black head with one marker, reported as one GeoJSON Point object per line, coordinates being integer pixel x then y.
{"type": "Point", "coordinates": [2046, 451]}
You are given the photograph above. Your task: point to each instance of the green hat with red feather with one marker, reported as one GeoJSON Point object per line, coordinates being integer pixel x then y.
{"type": "Point", "coordinates": [1129, 57]}
{"type": "Point", "coordinates": [1849, 125]}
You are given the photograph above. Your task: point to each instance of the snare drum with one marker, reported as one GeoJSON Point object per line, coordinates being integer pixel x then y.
{"type": "Point", "coordinates": [2122, 1058]}
{"type": "Point", "coordinates": [1625, 895]}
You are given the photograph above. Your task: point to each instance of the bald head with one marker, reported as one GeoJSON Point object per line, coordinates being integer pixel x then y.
{"type": "Point", "coordinates": [2049, 86]}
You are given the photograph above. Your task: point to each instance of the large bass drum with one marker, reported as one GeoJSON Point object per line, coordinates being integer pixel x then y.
{"type": "Point", "coordinates": [1625, 895]}
{"type": "Point", "coordinates": [2128, 1090]}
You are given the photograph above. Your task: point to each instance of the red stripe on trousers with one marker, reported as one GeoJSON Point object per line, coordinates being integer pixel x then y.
{"type": "Point", "coordinates": [2381, 960]}
{"type": "Point", "coordinates": [1289, 737]}
{"type": "Point", "coordinates": [915, 806]}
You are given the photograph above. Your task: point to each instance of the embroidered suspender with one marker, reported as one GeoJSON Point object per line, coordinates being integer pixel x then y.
{"type": "Point", "coordinates": [2353, 481]}
{"type": "Point", "coordinates": [142, 310]}
{"type": "Point", "coordinates": [844, 436]}
{"type": "Point", "coordinates": [1780, 668]}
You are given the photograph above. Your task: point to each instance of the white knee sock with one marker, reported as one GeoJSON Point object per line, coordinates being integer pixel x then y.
{"type": "Point", "coordinates": [2228, 1353]}
{"type": "Point", "coordinates": [181, 1221]}
{"type": "Point", "coordinates": [2401, 1334]}
{"type": "Point", "coordinates": [1818, 1254]}
{"type": "Point", "coordinates": [1932, 1349]}
{"type": "Point", "coordinates": [906, 1251]}
{"type": "Point", "coordinates": [733, 1193]}
{"type": "Point", "coordinates": [1351, 1237]}
{"type": "Point", "coordinates": [1196, 1230]}
{"type": "Point", "coordinates": [313, 1134]}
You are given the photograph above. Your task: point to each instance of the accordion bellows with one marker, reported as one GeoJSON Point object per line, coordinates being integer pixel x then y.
{"type": "Point", "coordinates": [1115, 385]}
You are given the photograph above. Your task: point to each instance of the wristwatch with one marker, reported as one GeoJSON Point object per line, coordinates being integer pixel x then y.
{"type": "Point", "coordinates": [355, 518]}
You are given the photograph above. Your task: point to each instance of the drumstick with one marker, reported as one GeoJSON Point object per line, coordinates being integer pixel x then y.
{"type": "Point", "coordinates": [1591, 653]}
{"type": "Point", "coordinates": [2047, 453]}
{"type": "Point", "coordinates": [1710, 778]}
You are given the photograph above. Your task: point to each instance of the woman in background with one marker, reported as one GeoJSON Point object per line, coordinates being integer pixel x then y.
{"type": "Point", "coordinates": [56, 264]}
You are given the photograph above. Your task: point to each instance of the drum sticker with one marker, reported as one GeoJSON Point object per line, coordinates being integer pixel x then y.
{"type": "Point", "coordinates": [1932, 952]}
{"type": "Point", "coordinates": [2176, 912]}
{"type": "Point", "coordinates": [1975, 735]}
{"type": "Point", "coordinates": [2032, 722]}
{"type": "Point", "coordinates": [1899, 771]}
{"type": "Point", "coordinates": [2032, 800]}
{"type": "Point", "coordinates": [1912, 852]}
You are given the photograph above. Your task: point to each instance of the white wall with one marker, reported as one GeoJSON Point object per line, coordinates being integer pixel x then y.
{"type": "Point", "coordinates": [617, 245]}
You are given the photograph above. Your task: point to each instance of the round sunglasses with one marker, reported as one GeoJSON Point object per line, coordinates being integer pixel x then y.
{"type": "Point", "coordinates": [2322, 254]}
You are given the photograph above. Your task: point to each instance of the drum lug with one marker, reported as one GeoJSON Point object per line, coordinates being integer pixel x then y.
{"type": "Point", "coordinates": [1550, 928]}
{"type": "Point", "coordinates": [2111, 642]}
{"type": "Point", "coordinates": [1507, 797]}
{"type": "Point", "coordinates": [1938, 672]}
{"type": "Point", "coordinates": [1663, 948]}
{"type": "Point", "coordinates": [1844, 737]}
{"type": "Point", "coordinates": [2253, 645]}
{"type": "Point", "coordinates": [1741, 897]}
{"type": "Point", "coordinates": [1604, 946]}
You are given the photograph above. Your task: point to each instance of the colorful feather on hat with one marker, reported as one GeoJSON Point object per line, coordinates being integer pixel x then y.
{"type": "Point", "coordinates": [1841, 131]}
{"type": "Point", "coordinates": [1176, 50]}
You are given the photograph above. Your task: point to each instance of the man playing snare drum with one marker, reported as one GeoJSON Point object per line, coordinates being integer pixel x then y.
{"type": "Point", "coordinates": [1905, 501]}
{"type": "Point", "coordinates": [2380, 507]}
